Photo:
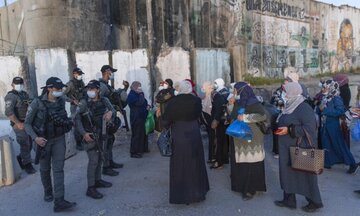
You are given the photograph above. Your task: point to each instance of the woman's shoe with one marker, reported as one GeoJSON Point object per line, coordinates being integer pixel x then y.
{"type": "Point", "coordinates": [216, 165]}
{"type": "Point", "coordinates": [311, 207]}
{"type": "Point", "coordinates": [210, 161]}
{"type": "Point", "coordinates": [247, 196]}
{"type": "Point", "coordinates": [284, 203]}
{"type": "Point", "coordinates": [353, 169]}
{"type": "Point", "coordinates": [136, 155]}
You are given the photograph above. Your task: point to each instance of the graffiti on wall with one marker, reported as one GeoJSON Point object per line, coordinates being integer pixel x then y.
{"type": "Point", "coordinates": [345, 44]}
{"type": "Point", "coordinates": [276, 8]}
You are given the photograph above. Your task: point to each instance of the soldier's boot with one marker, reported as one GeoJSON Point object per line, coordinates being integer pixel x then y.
{"type": "Point", "coordinates": [60, 204]}
{"type": "Point", "coordinates": [48, 196]}
{"type": "Point", "coordinates": [102, 184]}
{"type": "Point", "coordinates": [29, 169]}
{"type": "Point", "coordinates": [93, 193]}
{"type": "Point", "coordinates": [19, 159]}
{"type": "Point", "coordinates": [110, 172]}
{"type": "Point", "coordinates": [115, 165]}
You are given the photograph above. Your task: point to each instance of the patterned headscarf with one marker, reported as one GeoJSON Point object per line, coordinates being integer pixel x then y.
{"type": "Point", "coordinates": [332, 89]}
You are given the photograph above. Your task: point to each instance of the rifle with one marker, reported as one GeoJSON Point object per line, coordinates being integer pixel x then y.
{"type": "Point", "coordinates": [95, 136]}
{"type": "Point", "coordinates": [40, 151]}
{"type": "Point", "coordinates": [116, 100]}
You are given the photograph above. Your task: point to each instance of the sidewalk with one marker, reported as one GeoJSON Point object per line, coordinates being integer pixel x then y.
{"type": "Point", "coordinates": [142, 189]}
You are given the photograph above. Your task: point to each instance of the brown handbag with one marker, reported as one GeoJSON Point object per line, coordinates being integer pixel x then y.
{"type": "Point", "coordinates": [308, 160]}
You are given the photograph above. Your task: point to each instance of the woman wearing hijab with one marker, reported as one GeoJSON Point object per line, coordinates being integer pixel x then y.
{"type": "Point", "coordinates": [188, 177]}
{"type": "Point", "coordinates": [166, 92]}
{"type": "Point", "coordinates": [193, 91]}
{"type": "Point", "coordinates": [207, 89]}
{"type": "Point", "coordinates": [332, 138]}
{"type": "Point", "coordinates": [138, 113]}
{"type": "Point", "coordinates": [296, 118]}
{"type": "Point", "coordinates": [247, 158]}
{"type": "Point", "coordinates": [345, 94]}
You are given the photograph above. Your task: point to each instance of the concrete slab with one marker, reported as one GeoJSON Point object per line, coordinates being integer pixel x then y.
{"type": "Point", "coordinates": [173, 63]}
{"type": "Point", "coordinates": [11, 66]}
{"type": "Point", "coordinates": [91, 63]}
{"type": "Point", "coordinates": [210, 64]}
{"type": "Point", "coordinates": [54, 62]}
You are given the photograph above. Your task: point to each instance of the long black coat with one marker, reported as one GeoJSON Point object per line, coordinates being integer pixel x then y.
{"type": "Point", "coordinates": [188, 177]}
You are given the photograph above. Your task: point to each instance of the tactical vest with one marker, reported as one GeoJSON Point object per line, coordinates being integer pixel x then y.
{"type": "Point", "coordinates": [96, 110]}
{"type": "Point", "coordinates": [78, 91]}
{"type": "Point", "coordinates": [22, 104]}
{"type": "Point", "coordinates": [51, 120]}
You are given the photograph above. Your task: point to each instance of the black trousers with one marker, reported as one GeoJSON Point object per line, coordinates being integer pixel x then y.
{"type": "Point", "coordinates": [222, 144]}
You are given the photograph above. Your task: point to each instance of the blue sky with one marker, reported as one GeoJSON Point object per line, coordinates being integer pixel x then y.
{"type": "Point", "coordinates": [355, 3]}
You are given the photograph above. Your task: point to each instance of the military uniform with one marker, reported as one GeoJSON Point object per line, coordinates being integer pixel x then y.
{"type": "Point", "coordinates": [17, 103]}
{"type": "Point", "coordinates": [49, 120]}
{"type": "Point", "coordinates": [75, 91]}
{"type": "Point", "coordinates": [106, 91]}
{"type": "Point", "coordinates": [90, 120]}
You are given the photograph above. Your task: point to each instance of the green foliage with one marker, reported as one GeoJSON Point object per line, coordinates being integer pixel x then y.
{"type": "Point", "coordinates": [259, 81]}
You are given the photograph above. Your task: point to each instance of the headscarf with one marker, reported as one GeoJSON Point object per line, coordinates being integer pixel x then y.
{"type": "Point", "coordinates": [185, 87]}
{"type": "Point", "coordinates": [135, 86]}
{"type": "Point", "coordinates": [247, 96]}
{"type": "Point", "coordinates": [193, 87]}
{"type": "Point", "coordinates": [206, 101]}
{"type": "Point", "coordinates": [341, 79]}
{"type": "Point", "coordinates": [332, 89]}
{"type": "Point", "coordinates": [220, 84]}
{"type": "Point", "coordinates": [294, 97]}
{"type": "Point", "coordinates": [292, 77]}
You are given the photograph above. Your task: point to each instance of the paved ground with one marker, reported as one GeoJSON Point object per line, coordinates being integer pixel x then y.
{"type": "Point", "coordinates": [142, 189]}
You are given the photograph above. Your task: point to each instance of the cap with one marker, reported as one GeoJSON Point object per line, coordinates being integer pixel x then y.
{"type": "Point", "coordinates": [106, 67]}
{"type": "Point", "coordinates": [93, 84]}
{"type": "Point", "coordinates": [18, 80]}
{"type": "Point", "coordinates": [78, 70]}
{"type": "Point", "coordinates": [54, 82]}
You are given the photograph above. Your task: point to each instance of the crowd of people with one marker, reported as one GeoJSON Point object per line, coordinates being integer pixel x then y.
{"type": "Point", "coordinates": [293, 114]}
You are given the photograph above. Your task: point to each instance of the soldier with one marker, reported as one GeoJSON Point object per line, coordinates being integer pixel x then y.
{"type": "Point", "coordinates": [108, 91]}
{"type": "Point", "coordinates": [89, 122]}
{"type": "Point", "coordinates": [17, 102]}
{"type": "Point", "coordinates": [74, 93]}
{"type": "Point", "coordinates": [47, 122]}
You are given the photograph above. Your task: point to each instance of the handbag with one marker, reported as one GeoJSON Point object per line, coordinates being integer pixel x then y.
{"type": "Point", "coordinates": [164, 143]}
{"type": "Point", "coordinates": [308, 160]}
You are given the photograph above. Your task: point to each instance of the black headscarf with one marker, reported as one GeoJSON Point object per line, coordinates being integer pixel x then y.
{"type": "Point", "coordinates": [247, 96]}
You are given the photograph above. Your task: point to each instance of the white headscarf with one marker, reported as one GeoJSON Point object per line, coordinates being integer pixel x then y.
{"type": "Point", "coordinates": [294, 98]}
{"type": "Point", "coordinates": [185, 87]}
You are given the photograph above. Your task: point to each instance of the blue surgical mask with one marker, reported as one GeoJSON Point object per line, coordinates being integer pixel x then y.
{"type": "Point", "coordinates": [112, 76]}
{"type": "Point", "coordinates": [176, 92]}
{"type": "Point", "coordinates": [237, 97]}
{"type": "Point", "coordinates": [57, 93]}
{"type": "Point", "coordinates": [19, 87]}
{"type": "Point", "coordinates": [91, 94]}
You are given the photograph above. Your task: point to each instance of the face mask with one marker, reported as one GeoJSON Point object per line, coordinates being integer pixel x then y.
{"type": "Point", "coordinates": [237, 97]}
{"type": "Point", "coordinates": [176, 92]}
{"type": "Point", "coordinates": [161, 88]}
{"type": "Point", "coordinates": [19, 87]}
{"type": "Point", "coordinates": [57, 93]}
{"type": "Point", "coordinates": [112, 76]}
{"type": "Point", "coordinates": [166, 86]}
{"type": "Point", "coordinates": [79, 77]}
{"type": "Point", "coordinates": [320, 85]}
{"type": "Point", "coordinates": [283, 97]}
{"type": "Point", "coordinates": [91, 94]}
{"type": "Point", "coordinates": [202, 90]}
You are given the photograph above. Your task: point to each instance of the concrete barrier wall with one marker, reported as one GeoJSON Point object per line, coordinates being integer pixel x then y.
{"type": "Point", "coordinates": [11, 66]}
{"type": "Point", "coordinates": [51, 62]}
{"type": "Point", "coordinates": [54, 62]}
{"type": "Point", "coordinates": [91, 62]}
{"type": "Point", "coordinates": [210, 64]}
{"type": "Point", "coordinates": [133, 65]}
{"type": "Point", "coordinates": [173, 63]}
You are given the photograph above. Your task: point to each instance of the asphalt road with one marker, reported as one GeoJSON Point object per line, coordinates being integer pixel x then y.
{"type": "Point", "coordinates": [142, 189]}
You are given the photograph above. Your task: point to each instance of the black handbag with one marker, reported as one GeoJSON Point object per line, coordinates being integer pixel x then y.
{"type": "Point", "coordinates": [164, 143]}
